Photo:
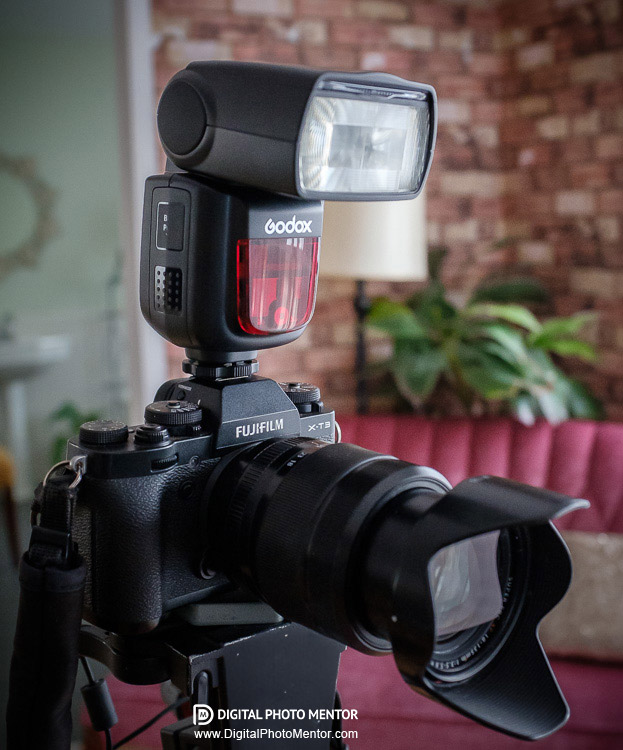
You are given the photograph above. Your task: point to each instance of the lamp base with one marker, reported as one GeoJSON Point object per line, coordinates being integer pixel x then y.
{"type": "Point", "coordinates": [362, 305]}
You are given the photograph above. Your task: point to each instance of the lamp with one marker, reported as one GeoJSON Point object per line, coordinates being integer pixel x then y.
{"type": "Point", "coordinates": [380, 241]}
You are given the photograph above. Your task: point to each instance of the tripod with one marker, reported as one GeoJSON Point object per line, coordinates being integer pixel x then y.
{"type": "Point", "coordinates": [261, 667]}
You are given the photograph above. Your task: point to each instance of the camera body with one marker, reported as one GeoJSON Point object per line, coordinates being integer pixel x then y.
{"type": "Point", "coordinates": [140, 521]}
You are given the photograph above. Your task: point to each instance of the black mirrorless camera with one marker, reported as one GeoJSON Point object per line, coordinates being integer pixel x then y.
{"type": "Point", "coordinates": [235, 490]}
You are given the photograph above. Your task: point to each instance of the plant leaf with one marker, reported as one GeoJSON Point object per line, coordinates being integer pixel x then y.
{"type": "Point", "coordinates": [552, 406]}
{"type": "Point", "coordinates": [510, 290]}
{"type": "Point", "coordinates": [516, 314]}
{"type": "Point", "coordinates": [485, 372]}
{"type": "Point", "coordinates": [525, 408]}
{"type": "Point", "coordinates": [510, 339]}
{"type": "Point", "coordinates": [560, 328]}
{"type": "Point", "coordinates": [418, 371]}
{"type": "Point", "coordinates": [572, 348]}
{"type": "Point", "coordinates": [580, 402]}
{"type": "Point", "coordinates": [395, 319]}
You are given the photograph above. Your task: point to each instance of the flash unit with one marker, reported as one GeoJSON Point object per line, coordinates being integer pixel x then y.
{"type": "Point", "coordinates": [308, 133]}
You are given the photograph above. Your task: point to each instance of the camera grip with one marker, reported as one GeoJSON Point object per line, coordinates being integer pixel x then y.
{"type": "Point", "coordinates": [117, 526]}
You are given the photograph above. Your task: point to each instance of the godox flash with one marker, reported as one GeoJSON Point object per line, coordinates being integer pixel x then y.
{"type": "Point", "coordinates": [231, 235]}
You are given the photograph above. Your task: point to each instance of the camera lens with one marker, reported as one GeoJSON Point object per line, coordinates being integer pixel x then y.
{"type": "Point", "coordinates": [385, 556]}
{"type": "Point", "coordinates": [294, 518]}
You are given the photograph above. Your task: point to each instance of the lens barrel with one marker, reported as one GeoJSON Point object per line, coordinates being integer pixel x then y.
{"type": "Point", "coordinates": [295, 526]}
{"type": "Point", "coordinates": [340, 539]}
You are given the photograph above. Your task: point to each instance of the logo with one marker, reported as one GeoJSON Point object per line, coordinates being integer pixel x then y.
{"type": "Point", "coordinates": [289, 227]}
{"type": "Point", "coordinates": [259, 428]}
{"type": "Point", "coordinates": [202, 714]}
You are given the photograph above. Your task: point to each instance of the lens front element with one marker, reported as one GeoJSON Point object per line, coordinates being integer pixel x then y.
{"type": "Point", "coordinates": [465, 584]}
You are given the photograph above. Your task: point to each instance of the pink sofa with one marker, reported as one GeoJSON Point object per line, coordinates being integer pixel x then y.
{"type": "Point", "coordinates": [578, 458]}
{"type": "Point", "coordinates": [584, 459]}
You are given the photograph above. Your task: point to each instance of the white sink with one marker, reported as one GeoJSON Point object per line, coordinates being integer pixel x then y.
{"type": "Point", "coordinates": [23, 357]}
{"type": "Point", "coordinates": [20, 359]}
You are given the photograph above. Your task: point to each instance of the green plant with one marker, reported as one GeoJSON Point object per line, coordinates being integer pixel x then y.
{"type": "Point", "coordinates": [70, 418]}
{"type": "Point", "coordinates": [492, 352]}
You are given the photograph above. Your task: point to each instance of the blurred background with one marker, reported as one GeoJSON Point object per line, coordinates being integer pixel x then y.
{"type": "Point", "coordinates": [488, 321]}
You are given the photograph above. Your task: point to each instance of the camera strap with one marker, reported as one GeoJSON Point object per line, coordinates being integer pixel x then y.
{"type": "Point", "coordinates": [45, 651]}
{"type": "Point", "coordinates": [55, 499]}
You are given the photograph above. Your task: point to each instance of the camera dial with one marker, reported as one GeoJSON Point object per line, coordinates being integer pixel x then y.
{"type": "Point", "coordinates": [179, 417]}
{"type": "Point", "coordinates": [103, 432]}
{"type": "Point", "coordinates": [305, 396]}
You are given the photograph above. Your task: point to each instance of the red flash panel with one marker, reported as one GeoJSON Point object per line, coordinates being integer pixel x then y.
{"type": "Point", "coordinates": [276, 283]}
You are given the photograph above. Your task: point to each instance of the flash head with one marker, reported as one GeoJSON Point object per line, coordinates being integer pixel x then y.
{"type": "Point", "coordinates": [302, 132]}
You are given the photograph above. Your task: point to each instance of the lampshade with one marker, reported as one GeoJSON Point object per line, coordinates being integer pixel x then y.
{"type": "Point", "coordinates": [384, 240]}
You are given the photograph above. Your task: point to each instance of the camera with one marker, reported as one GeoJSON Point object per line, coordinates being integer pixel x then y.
{"type": "Point", "coordinates": [235, 491]}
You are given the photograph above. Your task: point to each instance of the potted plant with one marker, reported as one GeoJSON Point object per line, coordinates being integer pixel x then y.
{"type": "Point", "coordinates": [492, 353]}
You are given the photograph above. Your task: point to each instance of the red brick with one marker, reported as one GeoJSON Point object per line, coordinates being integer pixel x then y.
{"type": "Point", "coordinates": [437, 16]}
{"type": "Point", "coordinates": [481, 18]}
{"type": "Point", "coordinates": [590, 175]}
{"type": "Point", "coordinates": [600, 67]}
{"type": "Point", "coordinates": [577, 149]}
{"type": "Point", "coordinates": [610, 202]}
{"type": "Point", "coordinates": [550, 77]}
{"type": "Point", "coordinates": [444, 208]}
{"type": "Point", "coordinates": [385, 9]}
{"type": "Point", "coordinates": [453, 155]}
{"type": "Point", "coordinates": [396, 61]}
{"type": "Point", "coordinates": [537, 154]}
{"type": "Point", "coordinates": [269, 51]}
{"type": "Point", "coordinates": [461, 86]}
{"type": "Point", "coordinates": [612, 36]}
{"type": "Point", "coordinates": [334, 58]}
{"type": "Point", "coordinates": [445, 61]}
{"type": "Point", "coordinates": [530, 106]}
{"type": "Point", "coordinates": [517, 131]}
{"type": "Point", "coordinates": [488, 208]}
{"type": "Point", "coordinates": [611, 256]}
{"type": "Point", "coordinates": [326, 8]}
{"type": "Point", "coordinates": [531, 203]}
{"type": "Point", "coordinates": [487, 113]}
{"type": "Point", "coordinates": [587, 40]}
{"type": "Point", "coordinates": [535, 55]}
{"type": "Point", "coordinates": [530, 13]}
{"type": "Point", "coordinates": [571, 100]}
{"type": "Point", "coordinates": [608, 94]}
{"type": "Point", "coordinates": [550, 177]}
{"type": "Point", "coordinates": [609, 146]}
{"type": "Point", "coordinates": [357, 32]}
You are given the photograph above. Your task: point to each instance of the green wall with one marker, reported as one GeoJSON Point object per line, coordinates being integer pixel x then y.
{"type": "Point", "coordinates": [59, 108]}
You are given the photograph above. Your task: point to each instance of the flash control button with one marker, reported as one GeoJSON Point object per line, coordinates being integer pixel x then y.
{"type": "Point", "coordinates": [170, 226]}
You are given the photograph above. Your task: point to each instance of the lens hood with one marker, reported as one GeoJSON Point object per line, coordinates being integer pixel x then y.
{"type": "Point", "coordinates": [515, 691]}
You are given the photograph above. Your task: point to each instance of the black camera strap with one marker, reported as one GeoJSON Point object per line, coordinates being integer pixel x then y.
{"type": "Point", "coordinates": [55, 499]}
{"type": "Point", "coordinates": [45, 651]}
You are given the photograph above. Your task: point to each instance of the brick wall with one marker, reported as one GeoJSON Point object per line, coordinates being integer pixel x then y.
{"type": "Point", "coordinates": [563, 141]}
{"type": "Point", "coordinates": [529, 146]}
